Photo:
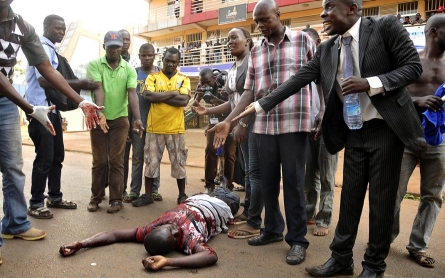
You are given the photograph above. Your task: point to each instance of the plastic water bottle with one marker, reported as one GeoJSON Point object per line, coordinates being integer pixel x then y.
{"type": "Point", "coordinates": [353, 117]}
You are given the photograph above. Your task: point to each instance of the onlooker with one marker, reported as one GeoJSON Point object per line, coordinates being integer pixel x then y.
{"type": "Point", "coordinates": [399, 17]}
{"type": "Point", "coordinates": [407, 20]}
{"type": "Point", "coordinates": [373, 153]}
{"type": "Point", "coordinates": [116, 80]}
{"type": "Point", "coordinates": [169, 92]}
{"type": "Point", "coordinates": [186, 228]}
{"type": "Point", "coordinates": [15, 223]}
{"type": "Point", "coordinates": [281, 134]}
{"type": "Point", "coordinates": [126, 38]}
{"type": "Point", "coordinates": [320, 165]}
{"type": "Point", "coordinates": [146, 55]}
{"type": "Point", "coordinates": [208, 89]}
{"type": "Point", "coordinates": [431, 159]}
{"type": "Point", "coordinates": [417, 19]}
{"type": "Point", "coordinates": [217, 51]}
{"type": "Point", "coordinates": [49, 149]}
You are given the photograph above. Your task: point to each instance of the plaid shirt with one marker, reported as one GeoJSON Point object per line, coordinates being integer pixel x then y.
{"type": "Point", "coordinates": [270, 66]}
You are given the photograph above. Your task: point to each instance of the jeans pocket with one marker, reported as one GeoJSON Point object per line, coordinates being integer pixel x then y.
{"type": "Point", "coordinates": [183, 154]}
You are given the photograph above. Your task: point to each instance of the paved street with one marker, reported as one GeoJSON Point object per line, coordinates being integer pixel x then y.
{"type": "Point", "coordinates": [236, 257]}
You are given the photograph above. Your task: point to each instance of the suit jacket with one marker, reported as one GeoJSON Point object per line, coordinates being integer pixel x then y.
{"type": "Point", "coordinates": [385, 51]}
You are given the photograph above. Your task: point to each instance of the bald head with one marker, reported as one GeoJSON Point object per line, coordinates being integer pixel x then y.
{"type": "Point", "coordinates": [436, 21]}
{"type": "Point", "coordinates": [268, 5]}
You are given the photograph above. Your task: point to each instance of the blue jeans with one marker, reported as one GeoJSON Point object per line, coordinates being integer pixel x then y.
{"type": "Point", "coordinates": [432, 170]}
{"type": "Point", "coordinates": [319, 180]}
{"type": "Point", "coordinates": [15, 220]}
{"type": "Point", "coordinates": [137, 164]}
{"type": "Point", "coordinates": [47, 165]}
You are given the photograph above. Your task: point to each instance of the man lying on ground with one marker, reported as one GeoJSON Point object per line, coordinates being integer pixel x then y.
{"type": "Point", "coordinates": [185, 228]}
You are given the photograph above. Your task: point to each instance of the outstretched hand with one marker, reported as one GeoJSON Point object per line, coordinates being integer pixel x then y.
{"type": "Point", "coordinates": [249, 110]}
{"type": "Point", "coordinates": [221, 132]}
{"type": "Point", "coordinates": [89, 109]}
{"type": "Point", "coordinates": [198, 108]}
{"type": "Point", "coordinates": [70, 249]}
{"type": "Point", "coordinates": [40, 113]}
{"type": "Point", "coordinates": [155, 262]}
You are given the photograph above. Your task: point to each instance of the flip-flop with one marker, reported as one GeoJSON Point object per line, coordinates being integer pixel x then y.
{"type": "Point", "coordinates": [423, 259]}
{"type": "Point", "coordinates": [247, 234]}
{"type": "Point", "coordinates": [237, 220]}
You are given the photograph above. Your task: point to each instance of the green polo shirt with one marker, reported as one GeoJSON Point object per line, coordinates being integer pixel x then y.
{"type": "Point", "coordinates": [115, 84]}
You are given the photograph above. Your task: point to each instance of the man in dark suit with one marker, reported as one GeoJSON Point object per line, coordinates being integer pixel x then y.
{"type": "Point", "coordinates": [373, 153]}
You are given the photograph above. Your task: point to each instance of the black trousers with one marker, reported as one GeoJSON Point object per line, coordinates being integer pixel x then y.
{"type": "Point", "coordinates": [373, 157]}
{"type": "Point", "coordinates": [288, 152]}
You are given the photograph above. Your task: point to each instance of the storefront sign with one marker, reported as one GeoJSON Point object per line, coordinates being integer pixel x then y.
{"type": "Point", "coordinates": [232, 14]}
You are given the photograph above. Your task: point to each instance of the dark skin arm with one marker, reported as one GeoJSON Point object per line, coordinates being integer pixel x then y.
{"type": "Point", "coordinates": [99, 100]}
{"type": "Point", "coordinates": [8, 91]}
{"type": "Point", "coordinates": [100, 239]}
{"type": "Point", "coordinates": [319, 116]}
{"type": "Point", "coordinates": [133, 104]}
{"type": "Point", "coordinates": [154, 97]}
{"type": "Point", "coordinates": [82, 84]}
{"type": "Point", "coordinates": [431, 102]}
{"type": "Point", "coordinates": [202, 258]}
{"type": "Point", "coordinates": [178, 101]}
{"type": "Point", "coordinates": [223, 128]}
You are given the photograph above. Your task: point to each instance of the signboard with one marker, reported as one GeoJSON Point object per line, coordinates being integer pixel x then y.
{"type": "Point", "coordinates": [417, 35]}
{"type": "Point", "coordinates": [177, 41]}
{"type": "Point", "coordinates": [232, 14]}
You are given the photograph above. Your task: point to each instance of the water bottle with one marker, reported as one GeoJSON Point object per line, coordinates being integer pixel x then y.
{"type": "Point", "coordinates": [353, 117]}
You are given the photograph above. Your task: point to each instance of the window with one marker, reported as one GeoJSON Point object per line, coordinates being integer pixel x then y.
{"type": "Point", "coordinates": [212, 35]}
{"type": "Point", "coordinates": [432, 5]}
{"type": "Point", "coordinates": [407, 8]}
{"type": "Point", "coordinates": [194, 38]}
{"type": "Point", "coordinates": [285, 22]}
{"type": "Point", "coordinates": [374, 11]}
{"type": "Point", "coordinates": [170, 7]}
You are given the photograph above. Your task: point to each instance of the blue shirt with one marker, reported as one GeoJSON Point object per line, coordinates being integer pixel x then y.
{"type": "Point", "coordinates": [144, 106]}
{"type": "Point", "coordinates": [35, 94]}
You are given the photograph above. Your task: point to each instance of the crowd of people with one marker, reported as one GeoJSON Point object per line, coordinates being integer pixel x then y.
{"type": "Point", "coordinates": [280, 104]}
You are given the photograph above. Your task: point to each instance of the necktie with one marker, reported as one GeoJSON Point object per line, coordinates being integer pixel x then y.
{"type": "Point", "coordinates": [351, 103]}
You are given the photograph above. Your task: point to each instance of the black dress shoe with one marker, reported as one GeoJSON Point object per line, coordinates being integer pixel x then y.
{"type": "Point", "coordinates": [296, 255]}
{"type": "Point", "coordinates": [331, 268]}
{"type": "Point", "coordinates": [264, 239]}
{"type": "Point", "coordinates": [371, 274]}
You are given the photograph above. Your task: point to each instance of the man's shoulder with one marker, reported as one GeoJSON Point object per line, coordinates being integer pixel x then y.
{"type": "Point", "coordinates": [181, 75]}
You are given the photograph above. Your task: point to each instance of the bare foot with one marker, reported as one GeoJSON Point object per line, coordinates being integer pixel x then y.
{"type": "Point", "coordinates": [321, 231]}
{"type": "Point", "coordinates": [244, 231]}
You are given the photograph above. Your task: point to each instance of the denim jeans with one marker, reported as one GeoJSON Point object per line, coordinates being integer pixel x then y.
{"type": "Point", "coordinates": [108, 147]}
{"type": "Point", "coordinates": [432, 170]}
{"type": "Point", "coordinates": [47, 165]}
{"type": "Point", "coordinates": [137, 164]}
{"type": "Point", "coordinates": [319, 181]}
{"type": "Point", "coordinates": [15, 220]}
{"type": "Point", "coordinates": [254, 202]}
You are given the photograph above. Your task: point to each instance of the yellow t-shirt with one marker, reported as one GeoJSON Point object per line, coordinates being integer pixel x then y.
{"type": "Point", "coordinates": [164, 118]}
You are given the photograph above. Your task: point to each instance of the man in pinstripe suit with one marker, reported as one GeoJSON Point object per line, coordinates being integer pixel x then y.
{"type": "Point", "coordinates": [373, 153]}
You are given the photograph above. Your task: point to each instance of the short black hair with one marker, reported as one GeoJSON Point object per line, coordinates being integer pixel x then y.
{"type": "Point", "coordinates": [124, 31]}
{"type": "Point", "coordinates": [173, 50]}
{"type": "Point", "coordinates": [246, 35]}
{"type": "Point", "coordinates": [146, 46]}
{"type": "Point", "coordinates": [205, 71]}
{"type": "Point", "coordinates": [156, 244]}
{"type": "Point", "coordinates": [49, 19]}
{"type": "Point", "coordinates": [311, 32]}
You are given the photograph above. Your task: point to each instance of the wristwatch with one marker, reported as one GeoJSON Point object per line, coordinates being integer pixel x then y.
{"type": "Point", "coordinates": [242, 124]}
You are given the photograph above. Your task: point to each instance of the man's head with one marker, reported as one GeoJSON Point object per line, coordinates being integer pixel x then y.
{"type": "Point", "coordinates": [113, 45]}
{"type": "Point", "coordinates": [313, 34]}
{"type": "Point", "coordinates": [435, 32]}
{"type": "Point", "coordinates": [54, 28]}
{"type": "Point", "coordinates": [406, 19]}
{"type": "Point", "coordinates": [171, 59]}
{"type": "Point", "coordinates": [398, 16]}
{"type": "Point", "coordinates": [207, 78]}
{"type": "Point", "coordinates": [162, 239]}
{"type": "Point", "coordinates": [125, 40]}
{"type": "Point", "coordinates": [146, 55]}
{"type": "Point", "coordinates": [267, 17]}
{"type": "Point", "coordinates": [5, 4]}
{"type": "Point", "coordinates": [340, 15]}
{"type": "Point", "coordinates": [418, 16]}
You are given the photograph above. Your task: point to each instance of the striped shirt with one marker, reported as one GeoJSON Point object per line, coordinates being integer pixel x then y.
{"type": "Point", "coordinates": [270, 66]}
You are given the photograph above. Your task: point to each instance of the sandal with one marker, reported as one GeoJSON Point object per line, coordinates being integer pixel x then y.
{"type": "Point", "coordinates": [130, 198]}
{"type": "Point", "coordinates": [240, 219]}
{"type": "Point", "coordinates": [156, 196]}
{"type": "Point", "coordinates": [423, 259]}
{"type": "Point", "coordinates": [63, 204]}
{"type": "Point", "coordinates": [182, 198]}
{"type": "Point", "coordinates": [40, 213]}
{"type": "Point", "coordinates": [241, 232]}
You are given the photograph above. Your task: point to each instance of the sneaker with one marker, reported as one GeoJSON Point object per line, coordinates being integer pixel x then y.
{"type": "Point", "coordinates": [115, 207]}
{"type": "Point", "coordinates": [156, 196]}
{"type": "Point", "coordinates": [31, 234]}
{"type": "Point", "coordinates": [182, 198]}
{"type": "Point", "coordinates": [92, 207]}
{"type": "Point", "coordinates": [143, 200]}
